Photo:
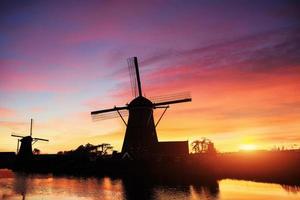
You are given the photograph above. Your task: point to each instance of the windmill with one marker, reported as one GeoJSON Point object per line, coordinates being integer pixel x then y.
{"type": "Point", "coordinates": [25, 149]}
{"type": "Point", "coordinates": [140, 136]}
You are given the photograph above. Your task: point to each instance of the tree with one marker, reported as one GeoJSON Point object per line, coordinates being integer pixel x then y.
{"type": "Point", "coordinates": [203, 146]}
{"type": "Point", "coordinates": [36, 151]}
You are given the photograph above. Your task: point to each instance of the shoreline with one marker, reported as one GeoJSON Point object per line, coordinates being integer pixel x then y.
{"type": "Point", "coordinates": [272, 167]}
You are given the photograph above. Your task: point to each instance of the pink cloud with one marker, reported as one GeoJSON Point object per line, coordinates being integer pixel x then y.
{"type": "Point", "coordinates": [13, 124]}
{"type": "Point", "coordinates": [6, 112]}
{"type": "Point", "coordinates": [18, 75]}
{"type": "Point", "coordinates": [37, 109]}
{"type": "Point", "coordinates": [26, 81]}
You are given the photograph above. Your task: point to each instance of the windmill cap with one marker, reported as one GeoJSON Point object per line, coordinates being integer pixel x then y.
{"type": "Point", "coordinates": [140, 101]}
{"type": "Point", "coordinates": [26, 138]}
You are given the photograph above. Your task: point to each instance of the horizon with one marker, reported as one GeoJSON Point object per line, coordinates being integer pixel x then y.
{"type": "Point", "coordinates": [239, 61]}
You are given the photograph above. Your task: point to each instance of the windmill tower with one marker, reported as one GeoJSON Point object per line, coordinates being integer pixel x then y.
{"type": "Point", "coordinates": [25, 149]}
{"type": "Point", "coordinates": [140, 136]}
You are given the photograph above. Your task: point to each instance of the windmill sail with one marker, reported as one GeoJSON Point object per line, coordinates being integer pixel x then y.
{"type": "Point", "coordinates": [171, 99]}
{"type": "Point", "coordinates": [13, 135]}
{"type": "Point", "coordinates": [134, 74]}
{"type": "Point", "coordinates": [109, 113]}
{"type": "Point", "coordinates": [41, 139]}
{"type": "Point", "coordinates": [31, 123]}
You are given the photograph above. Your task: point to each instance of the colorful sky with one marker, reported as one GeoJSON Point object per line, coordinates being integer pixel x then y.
{"type": "Point", "coordinates": [60, 60]}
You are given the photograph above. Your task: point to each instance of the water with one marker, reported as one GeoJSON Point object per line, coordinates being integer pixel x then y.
{"type": "Point", "coordinates": [45, 187]}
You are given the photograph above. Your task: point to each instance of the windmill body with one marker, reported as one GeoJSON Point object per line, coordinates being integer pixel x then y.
{"type": "Point", "coordinates": [26, 147]}
{"type": "Point", "coordinates": [141, 138]}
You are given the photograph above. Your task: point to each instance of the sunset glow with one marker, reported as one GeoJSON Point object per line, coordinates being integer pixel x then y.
{"type": "Point", "coordinates": [248, 147]}
{"type": "Point", "coordinates": [59, 61]}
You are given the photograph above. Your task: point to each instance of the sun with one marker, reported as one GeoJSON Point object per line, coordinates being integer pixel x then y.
{"type": "Point", "coordinates": [248, 147]}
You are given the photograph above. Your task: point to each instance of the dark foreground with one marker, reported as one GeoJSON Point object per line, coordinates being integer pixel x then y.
{"type": "Point", "coordinates": [274, 167]}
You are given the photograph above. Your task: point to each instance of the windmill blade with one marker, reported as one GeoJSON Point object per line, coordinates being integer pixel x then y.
{"type": "Point", "coordinates": [134, 74]}
{"type": "Point", "coordinates": [109, 113]}
{"type": "Point", "coordinates": [41, 139]}
{"type": "Point", "coordinates": [171, 99]}
{"type": "Point", "coordinates": [31, 122]}
{"type": "Point", "coordinates": [108, 110]}
{"type": "Point", "coordinates": [13, 135]}
{"type": "Point", "coordinates": [173, 102]}
{"type": "Point", "coordinates": [18, 144]}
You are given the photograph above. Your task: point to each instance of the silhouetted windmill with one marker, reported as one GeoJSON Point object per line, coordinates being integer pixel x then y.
{"type": "Point", "coordinates": [140, 137]}
{"type": "Point", "coordinates": [26, 143]}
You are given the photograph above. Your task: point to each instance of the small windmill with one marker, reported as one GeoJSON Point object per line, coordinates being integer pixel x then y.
{"type": "Point", "coordinates": [25, 149]}
{"type": "Point", "coordinates": [140, 136]}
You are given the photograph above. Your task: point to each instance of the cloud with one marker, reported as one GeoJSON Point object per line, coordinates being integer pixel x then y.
{"type": "Point", "coordinates": [259, 49]}
{"type": "Point", "coordinates": [20, 75]}
{"type": "Point", "coordinates": [13, 124]}
{"type": "Point", "coordinates": [6, 112]}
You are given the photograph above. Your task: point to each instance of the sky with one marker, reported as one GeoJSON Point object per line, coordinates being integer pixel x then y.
{"type": "Point", "coordinates": [240, 60]}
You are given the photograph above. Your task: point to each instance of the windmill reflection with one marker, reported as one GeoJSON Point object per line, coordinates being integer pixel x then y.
{"type": "Point", "coordinates": [291, 188]}
{"type": "Point", "coordinates": [138, 189]}
{"type": "Point", "coordinates": [209, 191]}
{"type": "Point", "coordinates": [144, 189]}
{"type": "Point", "coordinates": [21, 184]}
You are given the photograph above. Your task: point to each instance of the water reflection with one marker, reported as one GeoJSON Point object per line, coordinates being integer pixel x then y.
{"type": "Point", "coordinates": [24, 186]}
{"type": "Point", "coordinates": [21, 185]}
{"type": "Point", "coordinates": [137, 190]}
{"type": "Point", "coordinates": [291, 188]}
{"type": "Point", "coordinates": [210, 191]}
{"type": "Point", "coordinates": [236, 190]}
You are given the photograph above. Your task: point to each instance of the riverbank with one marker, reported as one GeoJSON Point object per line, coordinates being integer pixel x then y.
{"type": "Point", "coordinates": [265, 166]}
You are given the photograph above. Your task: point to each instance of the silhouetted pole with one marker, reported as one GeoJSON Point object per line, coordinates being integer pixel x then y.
{"type": "Point", "coordinates": [138, 75]}
{"type": "Point", "coordinates": [18, 145]}
{"type": "Point", "coordinates": [31, 121]}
